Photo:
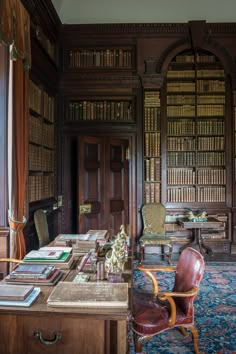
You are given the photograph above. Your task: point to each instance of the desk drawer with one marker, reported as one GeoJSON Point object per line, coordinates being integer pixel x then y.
{"type": "Point", "coordinates": [54, 334]}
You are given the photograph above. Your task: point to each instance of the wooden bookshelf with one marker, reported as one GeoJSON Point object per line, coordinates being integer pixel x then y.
{"type": "Point", "coordinates": [41, 144]}
{"type": "Point", "coordinates": [152, 147]}
{"type": "Point", "coordinates": [196, 166]}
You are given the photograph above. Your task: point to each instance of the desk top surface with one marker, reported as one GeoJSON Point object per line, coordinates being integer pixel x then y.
{"type": "Point", "coordinates": [40, 304]}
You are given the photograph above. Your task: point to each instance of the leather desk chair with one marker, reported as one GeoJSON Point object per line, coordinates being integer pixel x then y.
{"type": "Point", "coordinates": [156, 312]}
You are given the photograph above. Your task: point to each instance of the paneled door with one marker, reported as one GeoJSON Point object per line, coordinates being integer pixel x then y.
{"type": "Point", "coordinates": [103, 185]}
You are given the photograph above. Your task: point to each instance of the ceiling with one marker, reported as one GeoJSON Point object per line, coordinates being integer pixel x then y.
{"type": "Point", "coordinates": [144, 11]}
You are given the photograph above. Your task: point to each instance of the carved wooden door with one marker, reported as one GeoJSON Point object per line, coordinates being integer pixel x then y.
{"type": "Point", "coordinates": [103, 186]}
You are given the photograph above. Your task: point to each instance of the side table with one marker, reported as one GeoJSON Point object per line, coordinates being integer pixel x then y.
{"type": "Point", "coordinates": [196, 226]}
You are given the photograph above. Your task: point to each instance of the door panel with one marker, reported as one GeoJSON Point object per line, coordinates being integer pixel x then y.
{"type": "Point", "coordinates": [118, 183]}
{"type": "Point", "coordinates": [103, 183]}
{"type": "Point", "coordinates": [91, 182]}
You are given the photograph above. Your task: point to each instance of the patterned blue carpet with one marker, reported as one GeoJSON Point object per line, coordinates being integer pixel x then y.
{"type": "Point", "coordinates": [215, 314]}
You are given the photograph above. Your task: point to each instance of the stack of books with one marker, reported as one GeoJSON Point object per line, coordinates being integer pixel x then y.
{"type": "Point", "coordinates": [102, 236]}
{"type": "Point", "coordinates": [36, 274]}
{"type": "Point", "coordinates": [18, 295]}
{"type": "Point", "coordinates": [60, 257]}
{"type": "Point", "coordinates": [80, 243]}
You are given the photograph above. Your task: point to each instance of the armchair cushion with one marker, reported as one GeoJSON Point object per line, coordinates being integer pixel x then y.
{"type": "Point", "coordinates": [151, 315]}
{"type": "Point", "coordinates": [154, 239]}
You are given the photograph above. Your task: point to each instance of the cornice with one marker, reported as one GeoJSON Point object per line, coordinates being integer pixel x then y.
{"type": "Point", "coordinates": [148, 28]}
{"type": "Point", "coordinates": [224, 28]}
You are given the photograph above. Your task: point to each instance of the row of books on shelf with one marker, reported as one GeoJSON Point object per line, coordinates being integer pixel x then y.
{"type": "Point", "coordinates": [152, 118]}
{"type": "Point", "coordinates": [152, 192]}
{"type": "Point", "coordinates": [40, 102]}
{"type": "Point", "coordinates": [40, 159]}
{"type": "Point", "coordinates": [195, 99]}
{"type": "Point", "coordinates": [200, 86]}
{"type": "Point", "coordinates": [152, 99]}
{"type": "Point", "coordinates": [40, 187]}
{"type": "Point", "coordinates": [181, 144]}
{"type": "Point", "coordinates": [201, 176]}
{"type": "Point", "coordinates": [181, 111]}
{"type": "Point", "coordinates": [152, 169]}
{"type": "Point", "coordinates": [198, 73]}
{"type": "Point", "coordinates": [187, 158]}
{"type": "Point", "coordinates": [152, 143]}
{"type": "Point", "coordinates": [200, 194]}
{"type": "Point", "coordinates": [198, 58]}
{"type": "Point", "coordinates": [100, 110]}
{"type": "Point", "coordinates": [40, 132]}
{"type": "Point", "coordinates": [211, 143]}
{"type": "Point", "coordinates": [211, 86]}
{"type": "Point", "coordinates": [117, 57]}
{"type": "Point", "coordinates": [200, 110]}
{"type": "Point", "coordinates": [200, 127]}
{"type": "Point", "coordinates": [210, 110]}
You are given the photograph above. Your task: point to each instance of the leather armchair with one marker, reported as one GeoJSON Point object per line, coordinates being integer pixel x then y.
{"type": "Point", "coordinates": [156, 312]}
{"type": "Point", "coordinates": [11, 261]}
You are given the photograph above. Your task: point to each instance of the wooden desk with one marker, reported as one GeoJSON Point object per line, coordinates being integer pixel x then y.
{"type": "Point", "coordinates": [62, 330]}
{"type": "Point", "coordinates": [196, 227]}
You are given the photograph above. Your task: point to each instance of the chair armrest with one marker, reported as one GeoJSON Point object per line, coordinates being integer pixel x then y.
{"type": "Point", "coordinates": [169, 297]}
{"type": "Point", "coordinates": [188, 293]}
{"type": "Point", "coordinates": [155, 268]}
{"type": "Point", "coordinates": [149, 272]}
{"type": "Point", "coordinates": [12, 260]}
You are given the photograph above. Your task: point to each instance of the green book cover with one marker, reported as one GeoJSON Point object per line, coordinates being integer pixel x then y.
{"type": "Point", "coordinates": [63, 258]}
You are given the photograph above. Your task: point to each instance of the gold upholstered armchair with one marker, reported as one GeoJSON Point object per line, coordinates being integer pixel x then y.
{"type": "Point", "coordinates": [153, 216]}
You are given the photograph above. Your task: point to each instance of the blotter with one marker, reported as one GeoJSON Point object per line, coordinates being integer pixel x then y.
{"type": "Point", "coordinates": [90, 295]}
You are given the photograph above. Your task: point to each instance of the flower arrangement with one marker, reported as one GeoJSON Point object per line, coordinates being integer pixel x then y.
{"type": "Point", "coordinates": [197, 215]}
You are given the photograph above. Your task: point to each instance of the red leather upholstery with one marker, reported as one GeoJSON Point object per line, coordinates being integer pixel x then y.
{"type": "Point", "coordinates": [151, 315]}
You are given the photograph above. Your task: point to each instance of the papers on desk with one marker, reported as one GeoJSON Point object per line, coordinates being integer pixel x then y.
{"type": "Point", "coordinates": [90, 295]}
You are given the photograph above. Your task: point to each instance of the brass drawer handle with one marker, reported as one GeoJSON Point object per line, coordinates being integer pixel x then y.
{"type": "Point", "coordinates": [45, 341]}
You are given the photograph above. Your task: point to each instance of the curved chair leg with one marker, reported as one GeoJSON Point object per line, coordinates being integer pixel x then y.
{"type": "Point", "coordinates": [141, 253]}
{"type": "Point", "coordinates": [183, 331]}
{"type": "Point", "coordinates": [194, 331]}
{"type": "Point", "coordinates": [170, 254]}
{"type": "Point", "coordinates": [138, 342]}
